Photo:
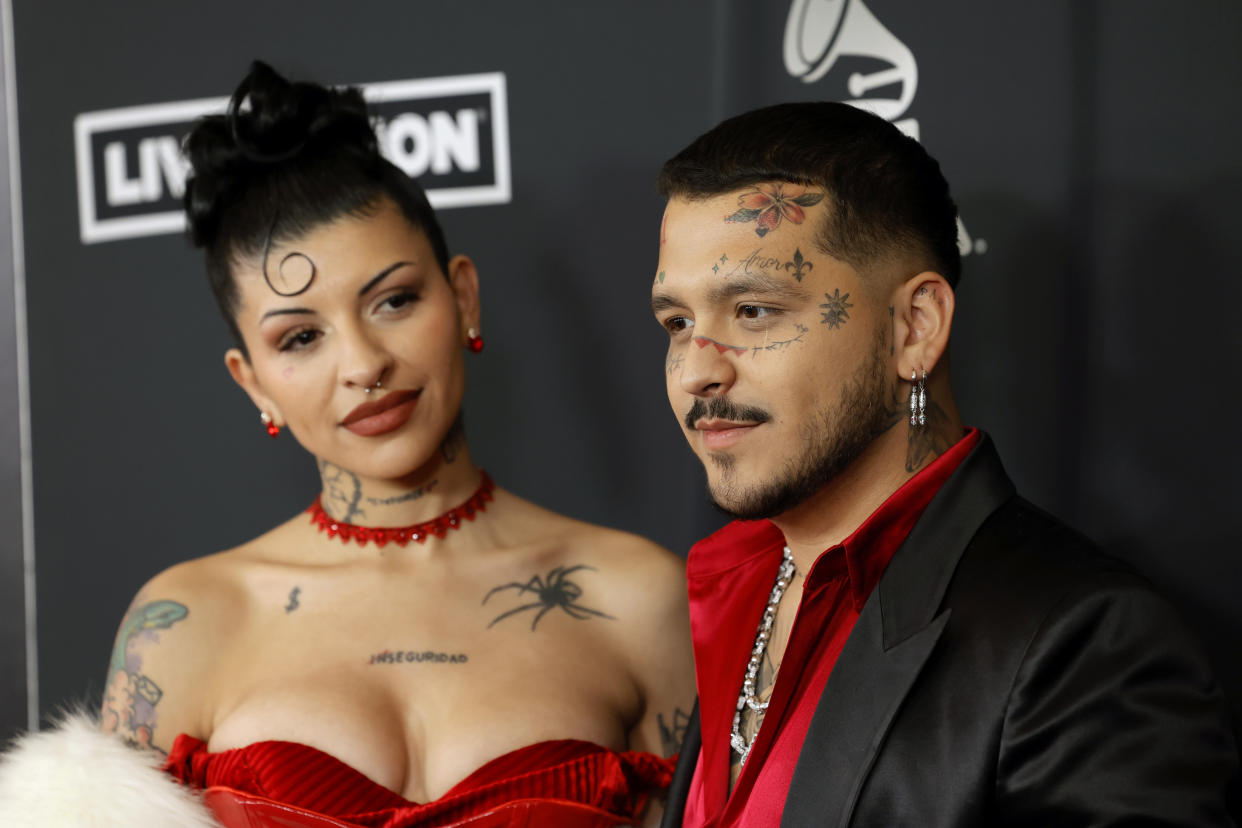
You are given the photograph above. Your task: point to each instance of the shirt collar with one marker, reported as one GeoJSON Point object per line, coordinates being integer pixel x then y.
{"type": "Point", "coordinates": [862, 556]}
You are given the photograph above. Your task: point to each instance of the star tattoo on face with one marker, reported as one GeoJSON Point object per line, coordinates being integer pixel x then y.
{"type": "Point", "coordinates": [836, 311]}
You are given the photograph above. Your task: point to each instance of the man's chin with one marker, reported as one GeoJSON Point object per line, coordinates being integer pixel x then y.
{"type": "Point", "coordinates": [744, 507]}
{"type": "Point", "coordinates": [747, 490]}
{"type": "Point", "coordinates": [738, 495]}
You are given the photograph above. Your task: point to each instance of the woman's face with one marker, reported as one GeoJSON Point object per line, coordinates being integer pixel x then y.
{"type": "Point", "coordinates": [378, 310]}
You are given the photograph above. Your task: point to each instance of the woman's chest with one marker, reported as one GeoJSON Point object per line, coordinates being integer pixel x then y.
{"type": "Point", "coordinates": [415, 690]}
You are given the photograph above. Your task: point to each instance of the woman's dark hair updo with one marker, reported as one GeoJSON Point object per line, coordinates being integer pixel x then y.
{"type": "Point", "coordinates": [284, 159]}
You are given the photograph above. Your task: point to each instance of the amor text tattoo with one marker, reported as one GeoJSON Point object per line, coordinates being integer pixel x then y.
{"type": "Point", "coordinates": [704, 341]}
{"type": "Point", "coordinates": [553, 591]}
{"type": "Point", "coordinates": [752, 264]}
{"type": "Point", "coordinates": [417, 657]}
{"type": "Point", "coordinates": [673, 731]}
{"type": "Point", "coordinates": [836, 309]}
{"type": "Point", "coordinates": [769, 204]}
{"type": "Point", "coordinates": [342, 492]}
{"type": "Point", "coordinates": [672, 363]}
{"type": "Point", "coordinates": [293, 600]}
{"type": "Point", "coordinates": [131, 696]}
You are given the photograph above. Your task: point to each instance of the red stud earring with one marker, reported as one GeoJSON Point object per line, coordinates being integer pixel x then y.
{"type": "Point", "coordinates": [272, 428]}
{"type": "Point", "coordinates": [474, 341]}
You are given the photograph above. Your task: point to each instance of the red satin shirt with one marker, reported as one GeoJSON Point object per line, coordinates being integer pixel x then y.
{"type": "Point", "coordinates": [730, 575]}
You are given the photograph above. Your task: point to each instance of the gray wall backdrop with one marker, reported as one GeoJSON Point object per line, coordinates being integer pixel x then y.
{"type": "Point", "coordinates": [1092, 147]}
{"type": "Point", "coordinates": [16, 687]}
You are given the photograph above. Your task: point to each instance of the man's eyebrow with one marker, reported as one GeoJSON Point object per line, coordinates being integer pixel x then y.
{"type": "Point", "coordinates": [379, 277]}
{"type": "Point", "coordinates": [663, 301]}
{"type": "Point", "coordinates": [755, 283]}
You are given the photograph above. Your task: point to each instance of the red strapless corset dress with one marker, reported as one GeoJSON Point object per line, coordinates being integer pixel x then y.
{"type": "Point", "coordinates": [566, 783]}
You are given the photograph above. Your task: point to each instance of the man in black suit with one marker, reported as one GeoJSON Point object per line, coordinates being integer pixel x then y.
{"type": "Point", "coordinates": [889, 635]}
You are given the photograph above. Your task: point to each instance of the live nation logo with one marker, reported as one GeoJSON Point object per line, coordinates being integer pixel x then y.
{"type": "Point", "coordinates": [451, 133]}
{"type": "Point", "coordinates": [819, 33]}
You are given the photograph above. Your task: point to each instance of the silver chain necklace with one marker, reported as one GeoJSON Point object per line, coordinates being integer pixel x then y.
{"type": "Point", "coordinates": [747, 698]}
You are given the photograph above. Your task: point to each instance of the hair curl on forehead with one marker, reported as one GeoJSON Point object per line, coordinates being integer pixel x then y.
{"type": "Point", "coordinates": [285, 158]}
{"type": "Point", "coordinates": [886, 197]}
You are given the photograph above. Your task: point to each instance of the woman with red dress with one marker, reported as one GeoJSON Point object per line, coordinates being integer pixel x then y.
{"type": "Point", "coordinates": [422, 648]}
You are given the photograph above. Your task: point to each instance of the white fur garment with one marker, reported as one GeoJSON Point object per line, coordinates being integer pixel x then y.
{"type": "Point", "coordinates": [74, 776]}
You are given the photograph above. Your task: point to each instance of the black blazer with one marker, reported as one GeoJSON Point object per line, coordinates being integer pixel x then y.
{"type": "Point", "coordinates": [1004, 672]}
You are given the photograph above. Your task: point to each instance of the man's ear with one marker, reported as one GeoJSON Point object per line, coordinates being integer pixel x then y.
{"type": "Point", "coordinates": [243, 374]}
{"type": "Point", "coordinates": [924, 308]}
{"type": "Point", "coordinates": [464, 279]}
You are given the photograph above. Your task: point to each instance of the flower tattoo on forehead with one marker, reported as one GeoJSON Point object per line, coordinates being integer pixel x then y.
{"type": "Point", "coordinates": [766, 205]}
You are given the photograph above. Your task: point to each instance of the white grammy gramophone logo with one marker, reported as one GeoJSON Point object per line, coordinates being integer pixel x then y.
{"type": "Point", "coordinates": [818, 32]}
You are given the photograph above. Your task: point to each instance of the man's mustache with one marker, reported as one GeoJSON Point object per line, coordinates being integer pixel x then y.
{"type": "Point", "coordinates": [720, 408]}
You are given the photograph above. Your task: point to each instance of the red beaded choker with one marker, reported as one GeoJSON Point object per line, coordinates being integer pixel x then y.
{"type": "Point", "coordinates": [418, 532]}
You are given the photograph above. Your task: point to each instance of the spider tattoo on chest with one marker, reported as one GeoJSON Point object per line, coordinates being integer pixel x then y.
{"type": "Point", "coordinates": [549, 592]}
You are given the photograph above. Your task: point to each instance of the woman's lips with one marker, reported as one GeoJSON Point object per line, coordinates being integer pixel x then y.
{"type": "Point", "coordinates": [719, 435]}
{"type": "Point", "coordinates": [382, 416]}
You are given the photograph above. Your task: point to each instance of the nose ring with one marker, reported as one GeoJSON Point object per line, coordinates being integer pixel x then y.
{"type": "Point", "coordinates": [370, 388]}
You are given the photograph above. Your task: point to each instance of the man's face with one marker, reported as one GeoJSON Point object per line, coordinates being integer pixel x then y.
{"type": "Point", "coordinates": [778, 365]}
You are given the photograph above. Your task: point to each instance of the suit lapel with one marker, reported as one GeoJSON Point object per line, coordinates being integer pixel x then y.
{"type": "Point", "coordinates": [895, 633]}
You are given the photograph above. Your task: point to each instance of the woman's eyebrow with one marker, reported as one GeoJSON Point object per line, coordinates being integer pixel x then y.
{"type": "Point", "coordinates": [371, 283]}
{"type": "Point", "coordinates": [379, 277]}
{"type": "Point", "coordinates": [283, 312]}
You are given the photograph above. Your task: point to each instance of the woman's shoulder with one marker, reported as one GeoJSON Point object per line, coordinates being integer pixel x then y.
{"type": "Point", "coordinates": [213, 583]}
{"type": "Point", "coordinates": [153, 686]}
{"type": "Point", "coordinates": [160, 670]}
{"type": "Point", "coordinates": [223, 576]}
{"type": "Point", "coordinates": [630, 559]}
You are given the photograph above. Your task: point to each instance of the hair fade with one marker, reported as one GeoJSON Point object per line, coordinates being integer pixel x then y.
{"type": "Point", "coordinates": [886, 195]}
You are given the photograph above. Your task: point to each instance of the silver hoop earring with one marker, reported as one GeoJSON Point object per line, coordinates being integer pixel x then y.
{"type": "Point", "coordinates": [923, 399]}
{"type": "Point", "coordinates": [914, 399]}
{"type": "Point", "coordinates": [918, 399]}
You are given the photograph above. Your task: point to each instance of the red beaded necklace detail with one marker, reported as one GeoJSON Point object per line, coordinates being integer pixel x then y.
{"type": "Point", "coordinates": [401, 535]}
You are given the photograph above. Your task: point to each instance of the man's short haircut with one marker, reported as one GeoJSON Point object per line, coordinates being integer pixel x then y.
{"type": "Point", "coordinates": [887, 197]}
